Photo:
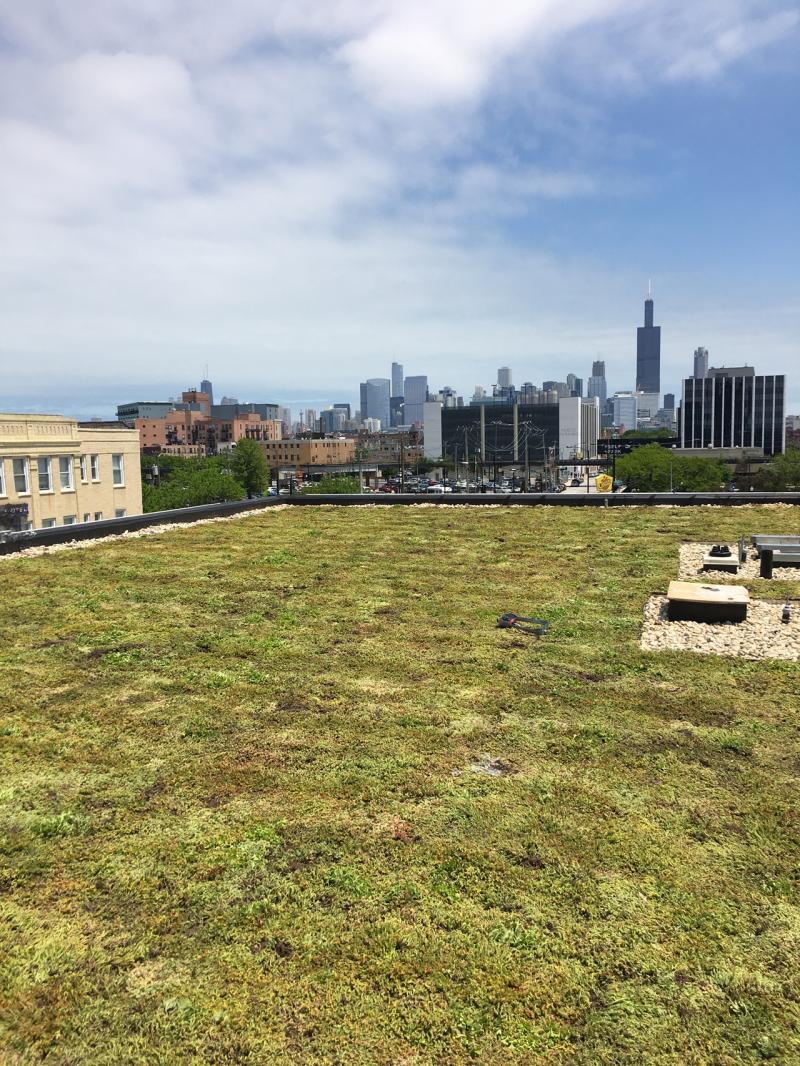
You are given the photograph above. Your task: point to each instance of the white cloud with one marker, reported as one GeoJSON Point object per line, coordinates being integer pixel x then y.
{"type": "Point", "coordinates": [306, 184]}
{"type": "Point", "coordinates": [732, 42]}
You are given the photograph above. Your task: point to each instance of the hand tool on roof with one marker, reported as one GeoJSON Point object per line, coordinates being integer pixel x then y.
{"type": "Point", "coordinates": [535, 626]}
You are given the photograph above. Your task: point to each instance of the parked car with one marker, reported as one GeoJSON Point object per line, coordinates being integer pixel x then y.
{"type": "Point", "coordinates": [576, 483]}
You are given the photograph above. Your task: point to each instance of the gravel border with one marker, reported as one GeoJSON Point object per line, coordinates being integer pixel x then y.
{"type": "Point", "coordinates": [134, 534]}
{"type": "Point", "coordinates": [690, 566]}
{"type": "Point", "coordinates": [761, 636]}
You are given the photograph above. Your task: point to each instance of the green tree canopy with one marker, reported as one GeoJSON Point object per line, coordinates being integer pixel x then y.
{"type": "Point", "coordinates": [188, 482]}
{"type": "Point", "coordinates": [782, 474]}
{"type": "Point", "coordinates": [249, 467]}
{"type": "Point", "coordinates": [652, 468]}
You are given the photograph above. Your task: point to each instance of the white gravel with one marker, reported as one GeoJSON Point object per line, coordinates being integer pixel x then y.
{"type": "Point", "coordinates": [148, 531]}
{"type": "Point", "coordinates": [761, 636]}
{"type": "Point", "coordinates": [690, 566]}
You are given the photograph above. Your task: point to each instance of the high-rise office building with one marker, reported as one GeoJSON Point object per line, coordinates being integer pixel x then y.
{"type": "Point", "coordinates": [375, 400]}
{"type": "Point", "coordinates": [415, 395]}
{"type": "Point", "coordinates": [700, 362]}
{"type": "Point", "coordinates": [449, 397]}
{"type": "Point", "coordinates": [669, 401]}
{"type": "Point", "coordinates": [332, 420]}
{"type": "Point", "coordinates": [733, 407]}
{"type": "Point", "coordinates": [504, 377]}
{"type": "Point", "coordinates": [207, 387]}
{"type": "Point", "coordinates": [397, 379]}
{"type": "Point", "coordinates": [647, 404]}
{"type": "Point", "coordinates": [626, 410]}
{"type": "Point", "coordinates": [343, 407]}
{"type": "Point", "coordinates": [648, 352]}
{"type": "Point", "coordinates": [578, 427]}
{"type": "Point", "coordinates": [596, 385]}
{"type": "Point", "coordinates": [575, 385]}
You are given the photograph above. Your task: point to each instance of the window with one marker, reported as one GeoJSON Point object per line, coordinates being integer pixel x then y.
{"type": "Point", "coordinates": [84, 469]}
{"type": "Point", "coordinates": [117, 469]}
{"type": "Point", "coordinates": [87, 517]}
{"type": "Point", "coordinates": [2, 477]}
{"type": "Point", "coordinates": [48, 523]}
{"type": "Point", "coordinates": [45, 468]}
{"type": "Point", "coordinates": [94, 466]}
{"type": "Point", "coordinates": [98, 516]}
{"type": "Point", "coordinates": [65, 472]}
{"type": "Point", "coordinates": [120, 512]}
{"type": "Point", "coordinates": [70, 519]}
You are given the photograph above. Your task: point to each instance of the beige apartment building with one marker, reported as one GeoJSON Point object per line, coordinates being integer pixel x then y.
{"type": "Point", "coordinates": [68, 471]}
{"type": "Point", "coordinates": [300, 452]}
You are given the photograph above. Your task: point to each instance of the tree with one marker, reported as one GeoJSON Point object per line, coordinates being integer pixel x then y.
{"type": "Point", "coordinates": [249, 467]}
{"type": "Point", "coordinates": [652, 468]}
{"type": "Point", "coordinates": [190, 483]}
{"type": "Point", "coordinates": [782, 474]}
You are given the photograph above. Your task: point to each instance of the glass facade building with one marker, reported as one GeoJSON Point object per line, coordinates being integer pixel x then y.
{"type": "Point", "coordinates": [734, 408]}
{"type": "Point", "coordinates": [648, 353]}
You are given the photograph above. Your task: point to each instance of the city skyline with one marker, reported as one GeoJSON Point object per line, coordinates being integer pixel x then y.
{"type": "Point", "coordinates": [286, 190]}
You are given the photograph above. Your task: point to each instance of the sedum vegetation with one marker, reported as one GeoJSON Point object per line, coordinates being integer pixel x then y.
{"type": "Point", "coordinates": [278, 791]}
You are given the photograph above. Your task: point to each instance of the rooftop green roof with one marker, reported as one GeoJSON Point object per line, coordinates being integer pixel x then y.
{"type": "Point", "coordinates": [277, 790]}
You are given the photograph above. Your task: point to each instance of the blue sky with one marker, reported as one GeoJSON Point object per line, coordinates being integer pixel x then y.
{"type": "Point", "coordinates": [298, 193]}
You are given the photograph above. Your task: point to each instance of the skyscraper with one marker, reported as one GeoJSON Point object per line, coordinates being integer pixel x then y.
{"type": "Point", "coordinates": [597, 382]}
{"type": "Point", "coordinates": [625, 410]}
{"type": "Point", "coordinates": [648, 352]}
{"type": "Point", "coordinates": [575, 385]}
{"type": "Point", "coordinates": [375, 396]}
{"type": "Point", "coordinates": [504, 377]}
{"type": "Point", "coordinates": [206, 386]}
{"type": "Point", "coordinates": [700, 362]}
{"type": "Point", "coordinates": [397, 379]}
{"type": "Point", "coordinates": [415, 393]}
{"type": "Point", "coordinates": [669, 401]}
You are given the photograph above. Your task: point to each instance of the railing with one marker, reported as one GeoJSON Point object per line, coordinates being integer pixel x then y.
{"type": "Point", "coordinates": [11, 542]}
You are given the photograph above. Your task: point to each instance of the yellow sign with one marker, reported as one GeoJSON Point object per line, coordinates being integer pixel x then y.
{"type": "Point", "coordinates": [603, 483]}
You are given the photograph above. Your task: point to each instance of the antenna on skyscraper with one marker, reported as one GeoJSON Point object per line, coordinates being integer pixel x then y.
{"type": "Point", "coordinates": [649, 289]}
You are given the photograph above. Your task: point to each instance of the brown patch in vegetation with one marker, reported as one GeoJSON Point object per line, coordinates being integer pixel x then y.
{"type": "Point", "coordinates": [98, 653]}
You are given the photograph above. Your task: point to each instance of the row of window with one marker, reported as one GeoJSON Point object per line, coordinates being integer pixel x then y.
{"type": "Point", "coordinates": [71, 519]}
{"type": "Point", "coordinates": [90, 470]}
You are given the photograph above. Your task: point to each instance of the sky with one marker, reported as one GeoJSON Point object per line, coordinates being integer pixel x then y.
{"type": "Point", "coordinates": [298, 192]}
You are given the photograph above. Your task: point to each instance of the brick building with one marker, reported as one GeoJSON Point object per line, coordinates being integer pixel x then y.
{"type": "Point", "coordinates": [298, 453]}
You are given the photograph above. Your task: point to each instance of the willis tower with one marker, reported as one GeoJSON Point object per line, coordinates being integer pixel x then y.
{"type": "Point", "coordinates": [648, 351]}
